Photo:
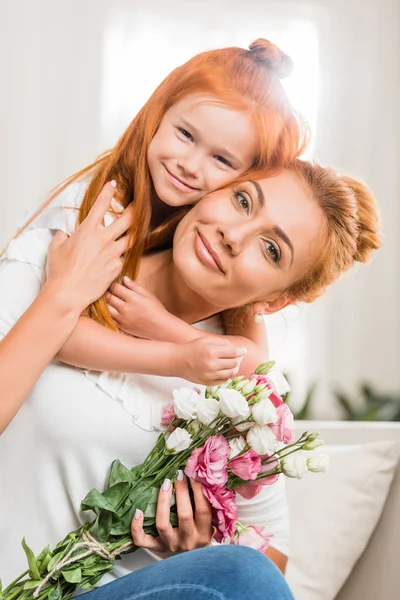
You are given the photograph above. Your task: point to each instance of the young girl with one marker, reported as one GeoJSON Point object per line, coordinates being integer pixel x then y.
{"type": "Point", "coordinates": [211, 120]}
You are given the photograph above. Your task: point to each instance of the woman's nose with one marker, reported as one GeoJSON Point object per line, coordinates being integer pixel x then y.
{"type": "Point", "coordinates": [233, 238]}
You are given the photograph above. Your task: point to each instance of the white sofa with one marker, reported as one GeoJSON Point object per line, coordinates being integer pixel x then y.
{"type": "Point", "coordinates": [376, 573]}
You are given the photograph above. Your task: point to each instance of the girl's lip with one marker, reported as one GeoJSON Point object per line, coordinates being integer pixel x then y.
{"type": "Point", "coordinates": [178, 183]}
{"type": "Point", "coordinates": [206, 253]}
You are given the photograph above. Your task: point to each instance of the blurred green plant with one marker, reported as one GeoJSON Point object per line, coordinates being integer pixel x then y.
{"type": "Point", "coordinates": [370, 405]}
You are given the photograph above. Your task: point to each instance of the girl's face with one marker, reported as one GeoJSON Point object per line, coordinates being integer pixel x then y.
{"type": "Point", "coordinates": [200, 145]}
{"type": "Point", "coordinates": [249, 244]}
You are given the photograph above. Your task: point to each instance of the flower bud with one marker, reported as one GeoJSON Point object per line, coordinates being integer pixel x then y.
{"type": "Point", "coordinates": [249, 387]}
{"type": "Point", "coordinates": [313, 444]}
{"type": "Point", "coordinates": [294, 465]}
{"type": "Point", "coordinates": [319, 463]}
{"type": "Point", "coordinates": [264, 368]}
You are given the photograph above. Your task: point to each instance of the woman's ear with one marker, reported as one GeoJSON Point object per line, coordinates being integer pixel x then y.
{"type": "Point", "coordinates": [273, 306]}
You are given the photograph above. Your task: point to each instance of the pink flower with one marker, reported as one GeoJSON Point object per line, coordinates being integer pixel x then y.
{"type": "Point", "coordinates": [208, 464]}
{"type": "Point", "coordinates": [253, 537]}
{"type": "Point", "coordinates": [168, 415]}
{"type": "Point", "coordinates": [283, 428]}
{"type": "Point", "coordinates": [225, 513]}
{"type": "Point", "coordinates": [250, 490]}
{"type": "Point", "coordinates": [246, 466]}
{"type": "Point", "coordinates": [274, 396]}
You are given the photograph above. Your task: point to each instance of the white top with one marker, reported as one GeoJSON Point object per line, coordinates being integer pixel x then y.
{"type": "Point", "coordinates": [75, 423]}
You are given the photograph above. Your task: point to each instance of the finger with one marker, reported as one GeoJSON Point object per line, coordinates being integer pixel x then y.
{"type": "Point", "coordinates": [223, 376]}
{"type": "Point", "coordinates": [230, 351]}
{"type": "Point", "coordinates": [121, 246]}
{"type": "Point", "coordinates": [185, 512]}
{"type": "Point", "coordinates": [113, 312]}
{"type": "Point", "coordinates": [135, 287]}
{"type": "Point", "coordinates": [58, 240]}
{"type": "Point", "coordinates": [142, 539]}
{"type": "Point", "coordinates": [224, 364]}
{"type": "Point", "coordinates": [203, 512]}
{"type": "Point", "coordinates": [167, 534]}
{"type": "Point", "coordinates": [121, 292]}
{"type": "Point", "coordinates": [102, 203]}
{"type": "Point", "coordinates": [121, 224]}
{"type": "Point", "coordinates": [114, 301]}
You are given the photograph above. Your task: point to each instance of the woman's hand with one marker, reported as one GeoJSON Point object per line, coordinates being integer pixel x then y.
{"type": "Point", "coordinates": [138, 312]}
{"type": "Point", "coordinates": [194, 530]}
{"type": "Point", "coordinates": [81, 267]}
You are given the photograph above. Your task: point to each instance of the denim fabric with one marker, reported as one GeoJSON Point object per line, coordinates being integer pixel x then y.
{"type": "Point", "coordinates": [213, 573]}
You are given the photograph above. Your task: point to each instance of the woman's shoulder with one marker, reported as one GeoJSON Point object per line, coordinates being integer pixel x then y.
{"type": "Point", "coordinates": [62, 211]}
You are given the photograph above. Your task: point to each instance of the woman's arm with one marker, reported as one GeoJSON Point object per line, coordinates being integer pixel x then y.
{"type": "Point", "coordinates": [79, 270]}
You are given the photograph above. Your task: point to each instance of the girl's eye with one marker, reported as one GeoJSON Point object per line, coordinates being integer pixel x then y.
{"type": "Point", "coordinates": [243, 201]}
{"type": "Point", "coordinates": [185, 133]}
{"type": "Point", "coordinates": [223, 160]}
{"type": "Point", "coordinates": [273, 251]}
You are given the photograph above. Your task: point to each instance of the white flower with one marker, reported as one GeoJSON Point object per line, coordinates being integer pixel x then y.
{"type": "Point", "coordinates": [294, 465]}
{"type": "Point", "coordinates": [319, 463]}
{"type": "Point", "coordinates": [237, 445]}
{"type": "Point", "coordinates": [179, 440]}
{"type": "Point", "coordinates": [242, 426]}
{"type": "Point", "coordinates": [233, 404]}
{"type": "Point", "coordinates": [185, 403]}
{"type": "Point", "coordinates": [262, 440]}
{"type": "Point", "coordinates": [194, 426]}
{"type": "Point", "coordinates": [264, 412]}
{"type": "Point", "coordinates": [207, 410]}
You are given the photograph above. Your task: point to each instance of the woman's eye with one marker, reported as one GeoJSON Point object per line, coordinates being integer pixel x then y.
{"type": "Point", "coordinates": [223, 160]}
{"type": "Point", "coordinates": [185, 133]}
{"type": "Point", "coordinates": [273, 251]}
{"type": "Point", "coordinates": [243, 201]}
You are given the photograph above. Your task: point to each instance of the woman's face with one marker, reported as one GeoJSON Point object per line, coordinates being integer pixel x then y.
{"type": "Point", "coordinates": [249, 244]}
{"type": "Point", "coordinates": [200, 145]}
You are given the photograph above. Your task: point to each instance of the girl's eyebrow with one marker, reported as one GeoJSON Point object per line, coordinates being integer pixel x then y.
{"type": "Point", "coordinates": [223, 152]}
{"type": "Point", "coordinates": [276, 229]}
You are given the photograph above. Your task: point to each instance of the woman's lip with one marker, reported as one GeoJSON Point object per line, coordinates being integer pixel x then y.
{"type": "Point", "coordinates": [206, 253]}
{"type": "Point", "coordinates": [178, 183]}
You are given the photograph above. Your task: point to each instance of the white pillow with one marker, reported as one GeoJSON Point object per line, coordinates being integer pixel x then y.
{"type": "Point", "coordinates": [333, 515]}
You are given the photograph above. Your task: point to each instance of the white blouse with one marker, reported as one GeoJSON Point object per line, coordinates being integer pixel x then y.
{"type": "Point", "coordinates": [74, 423]}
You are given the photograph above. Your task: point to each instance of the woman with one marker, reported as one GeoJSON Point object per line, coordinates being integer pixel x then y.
{"type": "Point", "coordinates": [269, 242]}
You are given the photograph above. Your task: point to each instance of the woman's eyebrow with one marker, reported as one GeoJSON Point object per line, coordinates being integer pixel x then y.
{"type": "Point", "coordinates": [279, 232]}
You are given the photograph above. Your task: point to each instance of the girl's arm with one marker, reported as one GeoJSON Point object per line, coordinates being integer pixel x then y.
{"type": "Point", "coordinates": [137, 312]}
{"type": "Point", "coordinates": [201, 360]}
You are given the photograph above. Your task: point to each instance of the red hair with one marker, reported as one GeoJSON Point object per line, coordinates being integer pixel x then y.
{"type": "Point", "coordinates": [245, 80]}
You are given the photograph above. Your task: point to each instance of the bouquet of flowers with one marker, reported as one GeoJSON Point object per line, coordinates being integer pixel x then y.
{"type": "Point", "coordinates": [233, 438]}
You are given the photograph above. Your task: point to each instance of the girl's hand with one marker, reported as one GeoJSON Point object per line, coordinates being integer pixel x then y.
{"type": "Point", "coordinates": [208, 360]}
{"type": "Point", "coordinates": [195, 530]}
{"type": "Point", "coordinates": [81, 267]}
{"type": "Point", "coordinates": [136, 311]}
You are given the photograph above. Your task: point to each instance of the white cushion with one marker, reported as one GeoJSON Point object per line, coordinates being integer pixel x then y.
{"type": "Point", "coordinates": [333, 515]}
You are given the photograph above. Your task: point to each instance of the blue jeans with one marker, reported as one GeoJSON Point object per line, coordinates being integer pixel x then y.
{"type": "Point", "coordinates": [213, 573]}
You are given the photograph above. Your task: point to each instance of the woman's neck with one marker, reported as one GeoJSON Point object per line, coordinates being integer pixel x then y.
{"type": "Point", "coordinates": [158, 275]}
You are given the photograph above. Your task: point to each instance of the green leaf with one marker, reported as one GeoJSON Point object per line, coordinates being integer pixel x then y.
{"type": "Point", "coordinates": [119, 473]}
{"type": "Point", "coordinates": [56, 558]}
{"type": "Point", "coordinates": [31, 560]}
{"type": "Point", "coordinates": [29, 585]}
{"type": "Point", "coordinates": [96, 502]}
{"type": "Point", "coordinates": [73, 576]}
{"type": "Point", "coordinates": [55, 594]}
{"type": "Point", "coordinates": [116, 495]}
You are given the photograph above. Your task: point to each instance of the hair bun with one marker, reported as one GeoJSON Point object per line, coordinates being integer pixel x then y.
{"type": "Point", "coordinates": [279, 62]}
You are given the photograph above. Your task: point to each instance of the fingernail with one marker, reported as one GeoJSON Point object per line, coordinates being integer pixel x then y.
{"type": "Point", "coordinates": [113, 183]}
{"type": "Point", "coordinates": [179, 475]}
{"type": "Point", "coordinates": [166, 485]}
{"type": "Point", "coordinates": [127, 279]}
{"type": "Point", "coordinates": [243, 350]}
{"type": "Point", "coordinates": [138, 514]}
